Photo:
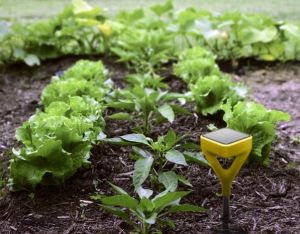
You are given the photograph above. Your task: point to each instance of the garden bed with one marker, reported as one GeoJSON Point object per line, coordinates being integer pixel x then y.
{"type": "Point", "coordinates": [265, 199]}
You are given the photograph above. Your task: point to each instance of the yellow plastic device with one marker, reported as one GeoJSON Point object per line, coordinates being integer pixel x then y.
{"type": "Point", "coordinates": [226, 143]}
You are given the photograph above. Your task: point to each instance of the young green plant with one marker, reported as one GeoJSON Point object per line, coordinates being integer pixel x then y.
{"type": "Point", "coordinates": [146, 215]}
{"type": "Point", "coordinates": [160, 160]}
{"type": "Point", "coordinates": [147, 104]}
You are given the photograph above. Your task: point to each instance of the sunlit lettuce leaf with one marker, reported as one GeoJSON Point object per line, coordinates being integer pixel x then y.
{"type": "Point", "coordinates": [195, 64]}
{"type": "Point", "coordinates": [256, 120]}
{"type": "Point", "coordinates": [211, 92]}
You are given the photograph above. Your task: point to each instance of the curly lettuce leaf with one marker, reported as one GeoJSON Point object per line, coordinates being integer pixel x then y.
{"type": "Point", "coordinates": [256, 120]}
{"type": "Point", "coordinates": [48, 164]}
{"type": "Point", "coordinates": [195, 64]}
{"type": "Point", "coordinates": [87, 70]}
{"type": "Point", "coordinates": [54, 148]}
{"type": "Point", "coordinates": [211, 92]}
{"type": "Point", "coordinates": [61, 90]}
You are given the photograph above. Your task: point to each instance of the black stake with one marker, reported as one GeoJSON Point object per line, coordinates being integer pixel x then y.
{"type": "Point", "coordinates": [226, 213]}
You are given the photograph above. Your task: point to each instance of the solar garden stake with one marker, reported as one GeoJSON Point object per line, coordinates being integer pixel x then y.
{"type": "Point", "coordinates": [226, 143]}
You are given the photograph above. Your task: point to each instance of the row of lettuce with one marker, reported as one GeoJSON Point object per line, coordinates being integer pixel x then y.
{"type": "Point", "coordinates": [57, 141]}
{"type": "Point", "coordinates": [147, 39]}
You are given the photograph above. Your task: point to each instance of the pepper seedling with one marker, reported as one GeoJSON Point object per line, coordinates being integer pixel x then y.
{"type": "Point", "coordinates": [226, 143]}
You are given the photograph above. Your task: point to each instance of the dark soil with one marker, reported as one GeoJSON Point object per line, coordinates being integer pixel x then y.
{"type": "Point", "coordinates": [264, 200]}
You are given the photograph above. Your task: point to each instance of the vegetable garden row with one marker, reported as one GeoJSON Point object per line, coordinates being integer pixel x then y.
{"type": "Point", "coordinates": [57, 140]}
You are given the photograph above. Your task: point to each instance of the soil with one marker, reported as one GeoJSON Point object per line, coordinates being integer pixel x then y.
{"type": "Point", "coordinates": [264, 199]}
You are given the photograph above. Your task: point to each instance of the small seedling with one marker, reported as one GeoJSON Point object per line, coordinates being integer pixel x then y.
{"type": "Point", "coordinates": [160, 159]}
{"type": "Point", "coordinates": [145, 214]}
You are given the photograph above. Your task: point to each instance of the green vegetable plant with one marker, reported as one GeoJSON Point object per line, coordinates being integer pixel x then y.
{"type": "Point", "coordinates": [85, 107]}
{"type": "Point", "coordinates": [233, 35]}
{"type": "Point", "coordinates": [143, 50]}
{"type": "Point", "coordinates": [143, 214]}
{"type": "Point", "coordinates": [54, 148]}
{"type": "Point", "coordinates": [211, 92]}
{"type": "Point", "coordinates": [87, 70]}
{"type": "Point", "coordinates": [57, 142]}
{"type": "Point", "coordinates": [147, 104]}
{"type": "Point", "coordinates": [159, 158]}
{"type": "Point", "coordinates": [255, 119]}
{"type": "Point", "coordinates": [79, 29]}
{"type": "Point", "coordinates": [195, 64]}
{"type": "Point", "coordinates": [85, 78]}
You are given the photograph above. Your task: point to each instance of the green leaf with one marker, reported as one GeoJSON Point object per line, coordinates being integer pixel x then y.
{"type": "Point", "coordinates": [185, 208]}
{"type": "Point", "coordinates": [101, 136]}
{"type": "Point", "coordinates": [146, 205]}
{"type": "Point", "coordinates": [151, 219]}
{"type": "Point", "coordinates": [256, 120]}
{"type": "Point", "coordinates": [127, 105]}
{"type": "Point", "coordinates": [116, 141]}
{"type": "Point", "coordinates": [184, 180]}
{"type": "Point", "coordinates": [169, 180]}
{"type": "Point", "coordinates": [142, 168]}
{"type": "Point", "coordinates": [168, 198]}
{"type": "Point", "coordinates": [176, 157]}
{"type": "Point", "coordinates": [170, 139]}
{"type": "Point", "coordinates": [180, 110]}
{"type": "Point", "coordinates": [211, 127]}
{"type": "Point", "coordinates": [162, 9]}
{"type": "Point", "coordinates": [80, 6]}
{"type": "Point", "coordinates": [137, 138]}
{"type": "Point", "coordinates": [144, 193]}
{"type": "Point", "coordinates": [191, 146]}
{"type": "Point", "coordinates": [167, 112]}
{"type": "Point", "coordinates": [120, 116]}
{"type": "Point", "coordinates": [168, 222]}
{"type": "Point", "coordinates": [116, 211]}
{"type": "Point", "coordinates": [32, 60]}
{"type": "Point", "coordinates": [118, 189]}
{"type": "Point", "coordinates": [123, 200]}
{"type": "Point", "coordinates": [141, 153]}
{"type": "Point", "coordinates": [212, 91]}
{"type": "Point", "coordinates": [196, 158]}
{"type": "Point", "coordinates": [253, 35]}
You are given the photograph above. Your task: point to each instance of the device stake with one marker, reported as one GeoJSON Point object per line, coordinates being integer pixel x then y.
{"type": "Point", "coordinates": [226, 212]}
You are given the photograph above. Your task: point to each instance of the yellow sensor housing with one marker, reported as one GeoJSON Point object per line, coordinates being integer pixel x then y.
{"type": "Point", "coordinates": [226, 143]}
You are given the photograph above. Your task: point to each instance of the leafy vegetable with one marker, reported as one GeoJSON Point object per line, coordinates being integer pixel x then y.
{"type": "Point", "coordinates": [61, 90]}
{"type": "Point", "coordinates": [54, 148]}
{"type": "Point", "coordinates": [195, 64]}
{"type": "Point", "coordinates": [155, 159]}
{"type": "Point", "coordinates": [211, 92]}
{"type": "Point", "coordinates": [148, 104]}
{"type": "Point", "coordinates": [85, 107]}
{"type": "Point", "coordinates": [57, 142]}
{"type": "Point", "coordinates": [87, 70]}
{"type": "Point", "coordinates": [255, 119]}
{"type": "Point", "coordinates": [79, 29]}
{"type": "Point", "coordinates": [85, 78]}
{"type": "Point", "coordinates": [146, 215]}
{"type": "Point", "coordinates": [143, 50]}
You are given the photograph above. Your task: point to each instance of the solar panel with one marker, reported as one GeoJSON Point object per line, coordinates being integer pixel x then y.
{"type": "Point", "coordinates": [226, 136]}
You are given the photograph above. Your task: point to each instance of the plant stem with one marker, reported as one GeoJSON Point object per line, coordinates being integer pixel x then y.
{"type": "Point", "coordinates": [145, 228]}
{"type": "Point", "coordinates": [146, 123]}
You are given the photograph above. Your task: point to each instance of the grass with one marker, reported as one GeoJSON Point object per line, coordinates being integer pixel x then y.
{"type": "Point", "coordinates": [11, 10]}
